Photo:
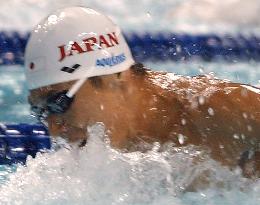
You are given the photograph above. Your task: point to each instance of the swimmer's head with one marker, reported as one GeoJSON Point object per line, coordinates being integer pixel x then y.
{"type": "Point", "coordinates": [64, 50]}
{"type": "Point", "coordinates": [73, 44]}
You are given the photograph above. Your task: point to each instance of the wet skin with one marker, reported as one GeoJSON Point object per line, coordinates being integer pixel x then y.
{"type": "Point", "coordinates": [142, 107]}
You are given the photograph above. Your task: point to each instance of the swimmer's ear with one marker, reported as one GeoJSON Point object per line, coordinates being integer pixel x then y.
{"type": "Point", "coordinates": [139, 69]}
{"type": "Point", "coordinates": [96, 81]}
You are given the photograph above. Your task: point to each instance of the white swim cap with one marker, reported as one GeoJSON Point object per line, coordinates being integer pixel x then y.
{"type": "Point", "coordinates": [74, 43]}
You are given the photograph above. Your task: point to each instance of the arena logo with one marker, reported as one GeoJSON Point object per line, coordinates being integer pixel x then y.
{"type": "Point", "coordinates": [89, 44]}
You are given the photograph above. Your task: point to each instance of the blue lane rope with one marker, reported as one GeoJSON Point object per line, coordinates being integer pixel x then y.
{"type": "Point", "coordinates": [210, 47]}
{"type": "Point", "coordinates": [18, 141]}
{"type": "Point", "coordinates": [158, 47]}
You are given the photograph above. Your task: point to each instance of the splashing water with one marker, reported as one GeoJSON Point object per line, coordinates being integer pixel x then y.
{"type": "Point", "coordinates": [99, 174]}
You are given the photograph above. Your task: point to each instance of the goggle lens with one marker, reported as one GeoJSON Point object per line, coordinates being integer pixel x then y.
{"type": "Point", "coordinates": [57, 103]}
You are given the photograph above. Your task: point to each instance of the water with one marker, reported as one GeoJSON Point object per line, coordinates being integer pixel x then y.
{"type": "Point", "coordinates": [13, 96]}
{"type": "Point", "coordinates": [98, 174]}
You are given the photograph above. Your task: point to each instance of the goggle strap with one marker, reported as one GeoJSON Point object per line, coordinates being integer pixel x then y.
{"type": "Point", "coordinates": [75, 87]}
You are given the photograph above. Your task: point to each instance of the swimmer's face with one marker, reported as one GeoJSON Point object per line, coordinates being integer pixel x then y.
{"type": "Point", "coordinates": [70, 124]}
{"type": "Point", "coordinates": [98, 100]}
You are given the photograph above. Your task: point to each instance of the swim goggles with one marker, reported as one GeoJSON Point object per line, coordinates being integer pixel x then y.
{"type": "Point", "coordinates": [55, 103]}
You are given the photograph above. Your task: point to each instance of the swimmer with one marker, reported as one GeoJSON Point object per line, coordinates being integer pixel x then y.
{"type": "Point", "coordinates": [80, 71]}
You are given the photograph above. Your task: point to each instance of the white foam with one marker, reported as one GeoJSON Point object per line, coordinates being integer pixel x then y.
{"type": "Point", "coordinates": [98, 174]}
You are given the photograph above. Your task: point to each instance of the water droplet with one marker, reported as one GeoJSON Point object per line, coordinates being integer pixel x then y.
{"type": "Point", "coordinates": [181, 138]}
{"type": "Point", "coordinates": [148, 14]}
{"type": "Point", "coordinates": [201, 100]}
{"type": "Point", "coordinates": [183, 121]}
{"type": "Point", "coordinates": [236, 136]}
{"type": "Point", "coordinates": [211, 111]}
{"type": "Point", "coordinates": [201, 69]}
{"type": "Point", "coordinates": [244, 115]}
{"type": "Point", "coordinates": [53, 19]}
{"type": "Point", "coordinates": [203, 195]}
{"type": "Point", "coordinates": [178, 48]}
{"type": "Point", "coordinates": [249, 128]}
